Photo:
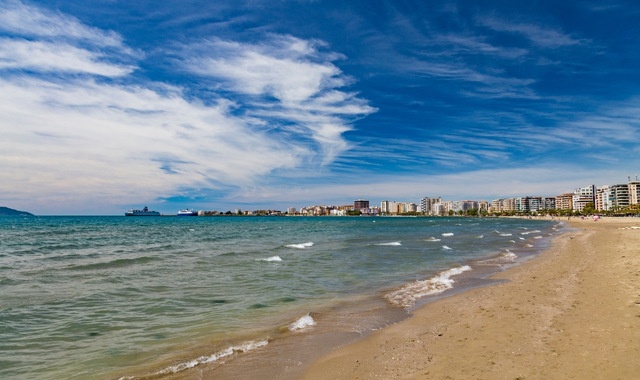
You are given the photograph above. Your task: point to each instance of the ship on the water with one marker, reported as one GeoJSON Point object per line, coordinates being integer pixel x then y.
{"type": "Point", "coordinates": [144, 212]}
{"type": "Point", "coordinates": [187, 212]}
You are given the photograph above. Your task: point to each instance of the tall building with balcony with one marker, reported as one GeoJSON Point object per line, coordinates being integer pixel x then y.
{"type": "Point", "coordinates": [426, 205]}
{"type": "Point", "coordinates": [634, 192]}
{"type": "Point", "coordinates": [613, 197]}
{"type": "Point", "coordinates": [564, 201]}
{"type": "Point", "coordinates": [583, 196]}
{"type": "Point", "coordinates": [361, 204]}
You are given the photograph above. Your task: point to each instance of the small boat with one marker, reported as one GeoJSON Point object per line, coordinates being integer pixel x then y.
{"type": "Point", "coordinates": [144, 212]}
{"type": "Point", "coordinates": [187, 212]}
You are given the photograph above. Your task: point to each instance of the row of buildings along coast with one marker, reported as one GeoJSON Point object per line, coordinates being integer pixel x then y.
{"type": "Point", "coordinates": [591, 198]}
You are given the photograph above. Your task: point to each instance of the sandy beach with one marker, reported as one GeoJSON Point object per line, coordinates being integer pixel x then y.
{"type": "Point", "coordinates": [571, 313]}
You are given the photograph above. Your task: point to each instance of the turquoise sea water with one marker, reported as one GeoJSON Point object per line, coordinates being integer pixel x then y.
{"type": "Point", "coordinates": [109, 297]}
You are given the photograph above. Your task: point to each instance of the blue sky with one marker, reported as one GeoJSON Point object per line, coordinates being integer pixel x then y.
{"type": "Point", "coordinates": [107, 105]}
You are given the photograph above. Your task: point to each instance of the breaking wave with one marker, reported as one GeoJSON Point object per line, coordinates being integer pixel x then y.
{"type": "Point", "coordinates": [244, 347]}
{"type": "Point", "coordinates": [270, 259]}
{"type": "Point", "coordinates": [301, 245]}
{"type": "Point", "coordinates": [393, 243]}
{"type": "Point", "coordinates": [407, 295]}
{"type": "Point", "coordinates": [302, 323]}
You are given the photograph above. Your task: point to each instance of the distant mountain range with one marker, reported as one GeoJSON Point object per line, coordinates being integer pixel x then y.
{"type": "Point", "coordinates": [6, 211]}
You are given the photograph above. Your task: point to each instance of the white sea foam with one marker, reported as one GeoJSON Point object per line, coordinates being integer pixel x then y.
{"type": "Point", "coordinates": [244, 347]}
{"type": "Point", "coordinates": [480, 236]}
{"type": "Point", "coordinates": [302, 323]}
{"type": "Point", "coordinates": [529, 245]}
{"type": "Point", "coordinates": [301, 246]}
{"type": "Point", "coordinates": [447, 234]}
{"type": "Point", "coordinates": [530, 232]}
{"type": "Point", "coordinates": [272, 258]}
{"type": "Point", "coordinates": [446, 247]}
{"type": "Point", "coordinates": [407, 295]}
{"type": "Point", "coordinates": [510, 255]}
{"type": "Point", "coordinates": [537, 237]}
{"type": "Point", "coordinates": [505, 234]}
{"type": "Point", "coordinates": [432, 239]}
{"type": "Point", "coordinates": [393, 243]}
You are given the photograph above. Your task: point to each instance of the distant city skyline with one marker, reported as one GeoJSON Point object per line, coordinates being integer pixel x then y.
{"type": "Point", "coordinates": [107, 106]}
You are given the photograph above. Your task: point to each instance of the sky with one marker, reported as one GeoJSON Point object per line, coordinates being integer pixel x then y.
{"type": "Point", "coordinates": [107, 105]}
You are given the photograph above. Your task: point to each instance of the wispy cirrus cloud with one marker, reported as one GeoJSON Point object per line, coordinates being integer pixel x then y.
{"type": "Point", "coordinates": [70, 138]}
{"type": "Point", "coordinates": [287, 80]}
{"type": "Point", "coordinates": [24, 20]}
{"type": "Point", "coordinates": [545, 36]}
{"type": "Point", "coordinates": [56, 57]}
{"type": "Point", "coordinates": [40, 40]}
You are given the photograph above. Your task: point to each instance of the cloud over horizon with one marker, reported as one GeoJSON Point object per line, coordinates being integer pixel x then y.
{"type": "Point", "coordinates": [106, 106]}
{"type": "Point", "coordinates": [99, 136]}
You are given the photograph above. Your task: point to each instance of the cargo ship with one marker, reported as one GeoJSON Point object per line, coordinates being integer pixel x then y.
{"type": "Point", "coordinates": [144, 212]}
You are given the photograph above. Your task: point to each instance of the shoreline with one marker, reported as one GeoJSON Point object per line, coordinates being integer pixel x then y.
{"type": "Point", "coordinates": [572, 312]}
{"type": "Point", "coordinates": [288, 356]}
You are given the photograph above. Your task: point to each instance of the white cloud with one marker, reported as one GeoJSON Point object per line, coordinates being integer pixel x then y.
{"type": "Point", "coordinates": [287, 79]}
{"type": "Point", "coordinates": [69, 139]}
{"type": "Point", "coordinates": [21, 19]}
{"type": "Point", "coordinates": [78, 140]}
{"type": "Point", "coordinates": [61, 57]}
{"type": "Point", "coordinates": [543, 36]}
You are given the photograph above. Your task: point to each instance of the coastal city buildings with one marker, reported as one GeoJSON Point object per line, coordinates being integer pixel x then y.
{"type": "Point", "coordinates": [587, 199]}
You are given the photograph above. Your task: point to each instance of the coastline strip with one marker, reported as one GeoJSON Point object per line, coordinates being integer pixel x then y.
{"type": "Point", "coordinates": [573, 312]}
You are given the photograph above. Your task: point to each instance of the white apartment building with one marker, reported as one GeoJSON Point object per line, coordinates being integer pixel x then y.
{"type": "Point", "coordinates": [583, 196]}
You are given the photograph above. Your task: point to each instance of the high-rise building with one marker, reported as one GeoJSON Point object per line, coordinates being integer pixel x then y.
{"type": "Point", "coordinates": [564, 201]}
{"type": "Point", "coordinates": [361, 204]}
{"type": "Point", "coordinates": [634, 192]}
{"type": "Point", "coordinates": [584, 196]}
{"type": "Point", "coordinates": [426, 205]}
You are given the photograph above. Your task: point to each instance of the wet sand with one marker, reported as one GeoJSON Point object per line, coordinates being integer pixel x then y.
{"type": "Point", "coordinates": [571, 313]}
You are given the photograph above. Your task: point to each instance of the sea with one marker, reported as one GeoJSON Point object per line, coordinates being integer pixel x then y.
{"type": "Point", "coordinates": [115, 297]}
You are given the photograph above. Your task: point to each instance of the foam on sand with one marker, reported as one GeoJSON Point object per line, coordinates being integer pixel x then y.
{"type": "Point", "coordinates": [302, 323]}
{"type": "Point", "coordinates": [243, 347]}
{"type": "Point", "coordinates": [407, 295]}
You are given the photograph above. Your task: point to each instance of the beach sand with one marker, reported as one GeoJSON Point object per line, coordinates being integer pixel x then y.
{"type": "Point", "coordinates": [571, 313]}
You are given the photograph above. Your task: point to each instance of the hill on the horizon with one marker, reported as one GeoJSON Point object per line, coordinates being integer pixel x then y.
{"type": "Point", "coordinates": [6, 211]}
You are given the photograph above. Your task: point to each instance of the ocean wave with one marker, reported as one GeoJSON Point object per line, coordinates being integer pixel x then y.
{"type": "Point", "coordinates": [530, 232]}
{"type": "Point", "coordinates": [447, 234]}
{"type": "Point", "coordinates": [505, 234]}
{"type": "Point", "coordinates": [301, 245]}
{"type": "Point", "coordinates": [407, 295]}
{"type": "Point", "coordinates": [271, 259]}
{"type": "Point", "coordinates": [509, 255]}
{"type": "Point", "coordinates": [302, 323]}
{"type": "Point", "coordinates": [117, 263]}
{"type": "Point", "coordinates": [393, 243]}
{"type": "Point", "coordinates": [432, 239]}
{"type": "Point", "coordinates": [480, 236]}
{"type": "Point", "coordinates": [244, 347]}
{"type": "Point", "coordinates": [446, 247]}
